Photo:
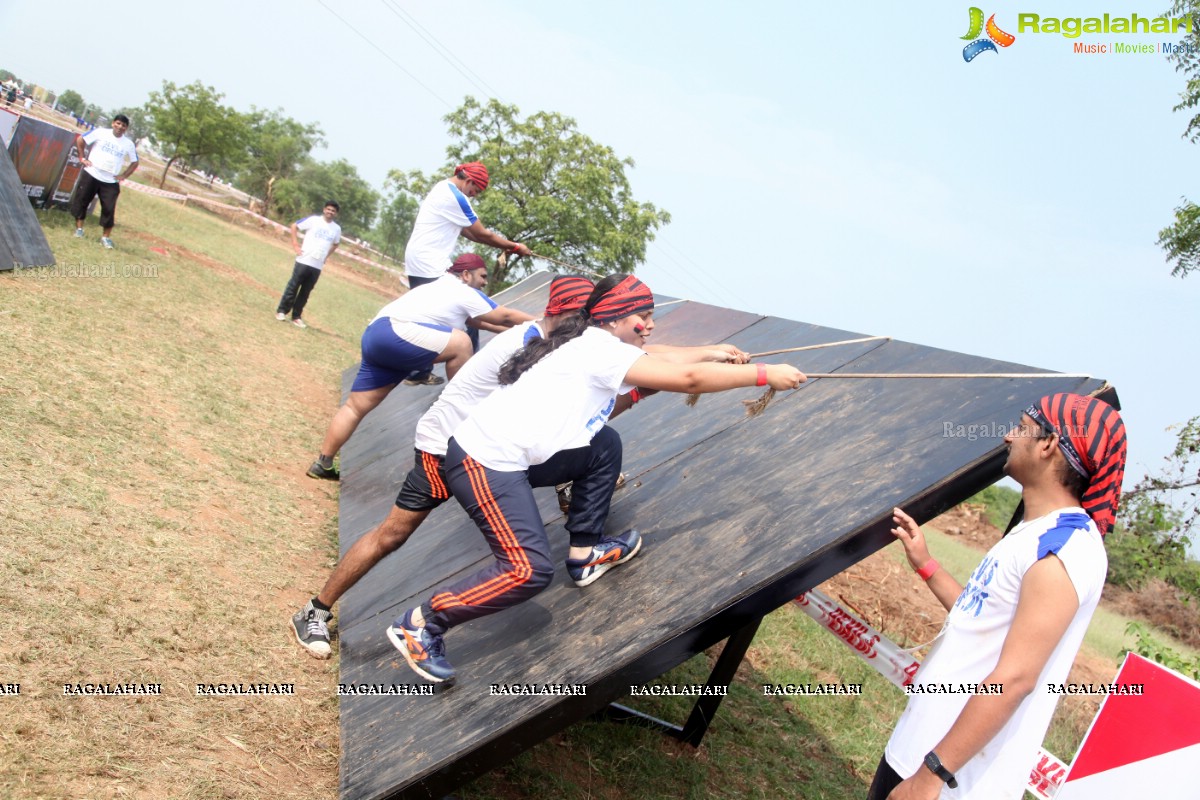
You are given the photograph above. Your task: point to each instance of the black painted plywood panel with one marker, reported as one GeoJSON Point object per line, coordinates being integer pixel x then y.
{"type": "Point", "coordinates": [739, 515]}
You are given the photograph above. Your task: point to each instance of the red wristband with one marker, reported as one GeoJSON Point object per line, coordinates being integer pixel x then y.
{"type": "Point", "coordinates": [931, 566]}
{"type": "Point", "coordinates": [762, 375]}
{"type": "Point", "coordinates": [634, 395]}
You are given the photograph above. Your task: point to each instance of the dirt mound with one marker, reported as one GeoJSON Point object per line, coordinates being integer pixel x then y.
{"type": "Point", "coordinates": [1160, 604]}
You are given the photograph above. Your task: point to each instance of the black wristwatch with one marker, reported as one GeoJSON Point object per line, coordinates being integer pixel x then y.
{"type": "Point", "coordinates": [935, 766]}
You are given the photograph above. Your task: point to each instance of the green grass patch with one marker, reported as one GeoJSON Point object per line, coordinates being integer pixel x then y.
{"type": "Point", "coordinates": [1000, 502]}
{"type": "Point", "coordinates": [819, 747]}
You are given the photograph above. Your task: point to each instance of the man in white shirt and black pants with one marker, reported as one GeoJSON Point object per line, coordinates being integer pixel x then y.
{"type": "Point", "coordinates": [321, 237]}
{"type": "Point", "coordinates": [109, 150]}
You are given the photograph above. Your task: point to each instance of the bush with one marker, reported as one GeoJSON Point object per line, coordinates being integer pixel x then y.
{"type": "Point", "coordinates": [1145, 544]}
{"type": "Point", "coordinates": [1000, 502]}
{"type": "Point", "coordinates": [1149, 647]}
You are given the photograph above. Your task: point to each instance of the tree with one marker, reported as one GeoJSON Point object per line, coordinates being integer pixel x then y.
{"type": "Point", "coordinates": [139, 125]}
{"type": "Point", "coordinates": [277, 147]}
{"type": "Point", "coordinates": [1186, 59]}
{"type": "Point", "coordinates": [1181, 240]}
{"type": "Point", "coordinates": [1180, 479]}
{"type": "Point", "coordinates": [319, 182]}
{"type": "Point", "coordinates": [552, 188]}
{"type": "Point", "coordinates": [189, 122]}
{"type": "Point", "coordinates": [72, 101]}
{"type": "Point", "coordinates": [398, 211]}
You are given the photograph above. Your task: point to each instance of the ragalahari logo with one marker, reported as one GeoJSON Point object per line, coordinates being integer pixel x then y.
{"type": "Point", "coordinates": [995, 36]}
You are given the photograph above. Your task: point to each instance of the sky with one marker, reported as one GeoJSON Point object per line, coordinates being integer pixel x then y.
{"type": "Point", "coordinates": [840, 165]}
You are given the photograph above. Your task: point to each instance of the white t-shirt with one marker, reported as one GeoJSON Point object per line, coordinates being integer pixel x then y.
{"type": "Point", "coordinates": [108, 153]}
{"type": "Point", "coordinates": [319, 238]}
{"type": "Point", "coordinates": [559, 404]}
{"type": "Point", "coordinates": [475, 381]}
{"type": "Point", "coordinates": [969, 650]}
{"type": "Point", "coordinates": [443, 214]}
{"type": "Point", "coordinates": [447, 301]}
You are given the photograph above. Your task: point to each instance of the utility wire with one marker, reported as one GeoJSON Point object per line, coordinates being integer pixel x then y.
{"type": "Point", "coordinates": [384, 53]}
{"type": "Point", "coordinates": [445, 52]}
{"type": "Point", "coordinates": [695, 275]}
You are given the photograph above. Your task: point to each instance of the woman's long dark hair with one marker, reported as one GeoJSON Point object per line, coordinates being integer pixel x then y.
{"type": "Point", "coordinates": [570, 327]}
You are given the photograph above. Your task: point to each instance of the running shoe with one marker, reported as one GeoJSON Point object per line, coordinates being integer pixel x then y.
{"type": "Point", "coordinates": [311, 626]}
{"type": "Point", "coordinates": [425, 652]}
{"type": "Point", "coordinates": [605, 555]}
{"type": "Point", "coordinates": [319, 470]}
{"type": "Point", "coordinates": [428, 379]}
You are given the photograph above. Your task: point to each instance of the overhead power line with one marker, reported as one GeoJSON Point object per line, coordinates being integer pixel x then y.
{"type": "Point", "coordinates": [446, 53]}
{"type": "Point", "coordinates": [385, 54]}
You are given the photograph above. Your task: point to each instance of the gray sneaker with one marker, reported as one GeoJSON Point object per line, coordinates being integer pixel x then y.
{"type": "Point", "coordinates": [79, 233]}
{"type": "Point", "coordinates": [312, 630]}
{"type": "Point", "coordinates": [107, 242]}
{"type": "Point", "coordinates": [428, 379]}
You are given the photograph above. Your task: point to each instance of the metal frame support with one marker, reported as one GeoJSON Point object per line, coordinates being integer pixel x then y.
{"type": "Point", "coordinates": [705, 709]}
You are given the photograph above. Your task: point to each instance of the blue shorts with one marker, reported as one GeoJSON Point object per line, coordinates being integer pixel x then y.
{"type": "Point", "coordinates": [388, 359]}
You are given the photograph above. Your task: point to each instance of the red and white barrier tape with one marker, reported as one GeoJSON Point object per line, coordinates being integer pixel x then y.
{"type": "Point", "coordinates": [899, 667]}
{"type": "Point", "coordinates": [144, 189]}
{"type": "Point", "coordinates": [885, 656]}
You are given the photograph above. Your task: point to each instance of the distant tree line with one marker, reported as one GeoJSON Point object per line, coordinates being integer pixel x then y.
{"type": "Point", "coordinates": [552, 187]}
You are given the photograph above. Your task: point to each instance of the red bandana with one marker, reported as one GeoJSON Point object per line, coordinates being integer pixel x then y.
{"type": "Point", "coordinates": [630, 296]}
{"type": "Point", "coordinates": [467, 262]}
{"type": "Point", "coordinates": [1091, 435]}
{"type": "Point", "coordinates": [568, 293]}
{"type": "Point", "coordinates": [476, 173]}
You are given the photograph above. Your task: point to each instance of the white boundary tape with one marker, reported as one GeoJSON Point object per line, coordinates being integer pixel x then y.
{"type": "Point", "coordinates": [191, 198]}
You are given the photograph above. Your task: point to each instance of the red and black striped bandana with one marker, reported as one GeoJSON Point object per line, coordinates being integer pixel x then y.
{"type": "Point", "coordinates": [568, 293]}
{"type": "Point", "coordinates": [1091, 435]}
{"type": "Point", "coordinates": [476, 173]}
{"type": "Point", "coordinates": [630, 296]}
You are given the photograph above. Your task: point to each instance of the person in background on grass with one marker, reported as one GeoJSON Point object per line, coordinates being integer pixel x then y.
{"type": "Point", "coordinates": [444, 215]}
{"type": "Point", "coordinates": [1020, 619]}
{"type": "Point", "coordinates": [102, 174]}
{"type": "Point", "coordinates": [552, 418]}
{"type": "Point", "coordinates": [410, 335]}
{"type": "Point", "coordinates": [424, 488]}
{"type": "Point", "coordinates": [321, 238]}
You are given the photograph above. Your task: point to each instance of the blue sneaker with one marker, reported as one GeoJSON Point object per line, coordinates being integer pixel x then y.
{"type": "Point", "coordinates": [605, 555]}
{"type": "Point", "coordinates": [425, 652]}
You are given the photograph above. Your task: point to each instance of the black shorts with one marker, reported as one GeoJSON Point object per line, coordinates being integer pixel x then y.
{"type": "Point", "coordinates": [425, 486]}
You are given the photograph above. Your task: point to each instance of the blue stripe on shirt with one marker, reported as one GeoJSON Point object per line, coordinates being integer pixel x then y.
{"type": "Point", "coordinates": [1053, 540]}
{"type": "Point", "coordinates": [463, 203]}
{"type": "Point", "coordinates": [490, 301]}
